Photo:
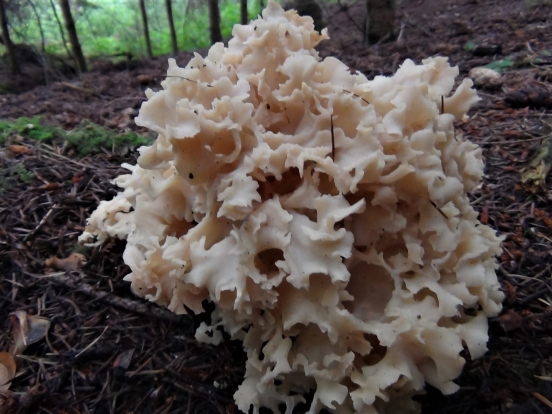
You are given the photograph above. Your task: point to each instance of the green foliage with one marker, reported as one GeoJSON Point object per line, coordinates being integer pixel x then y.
{"type": "Point", "coordinates": [23, 173]}
{"type": "Point", "coordinates": [229, 15]}
{"type": "Point", "coordinates": [87, 138]}
{"type": "Point", "coordinates": [110, 27]}
{"type": "Point", "coordinates": [469, 46]}
{"type": "Point", "coordinates": [30, 127]}
{"type": "Point", "coordinates": [501, 65]}
{"type": "Point", "coordinates": [8, 175]}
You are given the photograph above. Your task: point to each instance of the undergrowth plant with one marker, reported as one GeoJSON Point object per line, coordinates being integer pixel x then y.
{"type": "Point", "coordinates": [85, 139]}
{"type": "Point", "coordinates": [24, 174]}
{"type": "Point", "coordinates": [110, 27]}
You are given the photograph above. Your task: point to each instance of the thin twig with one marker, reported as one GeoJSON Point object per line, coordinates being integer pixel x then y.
{"type": "Point", "coordinates": [333, 138]}
{"type": "Point", "coordinates": [358, 96]}
{"type": "Point", "coordinates": [48, 214]}
{"type": "Point", "coordinates": [520, 141]}
{"type": "Point", "coordinates": [91, 344]}
{"type": "Point", "coordinates": [129, 305]}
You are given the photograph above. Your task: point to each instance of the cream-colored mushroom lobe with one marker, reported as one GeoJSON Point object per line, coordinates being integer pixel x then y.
{"type": "Point", "coordinates": [325, 215]}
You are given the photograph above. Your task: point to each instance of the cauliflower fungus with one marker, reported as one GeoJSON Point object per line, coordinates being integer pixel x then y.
{"type": "Point", "coordinates": [324, 214]}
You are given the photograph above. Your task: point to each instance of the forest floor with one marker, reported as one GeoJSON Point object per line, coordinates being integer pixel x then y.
{"type": "Point", "coordinates": [107, 351]}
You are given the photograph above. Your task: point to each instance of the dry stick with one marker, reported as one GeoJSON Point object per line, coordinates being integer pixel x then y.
{"type": "Point", "coordinates": [401, 33]}
{"type": "Point", "coordinates": [542, 399]}
{"type": "Point", "coordinates": [91, 344]}
{"type": "Point", "coordinates": [358, 96]}
{"type": "Point", "coordinates": [333, 138]}
{"type": "Point", "coordinates": [48, 214]}
{"type": "Point", "coordinates": [129, 305]}
{"type": "Point", "coordinates": [441, 212]}
{"type": "Point", "coordinates": [52, 152]}
{"type": "Point", "coordinates": [442, 104]}
{"type": "Point", "coordinates": [182, 77]}
{"type": "Point", "coordinates": [80, 89]}
{"type": "Point", "coordinates": [519, 141]}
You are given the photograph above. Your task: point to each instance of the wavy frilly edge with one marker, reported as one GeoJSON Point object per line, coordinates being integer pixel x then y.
{"type": "Point", "coordinates": [355, 276]}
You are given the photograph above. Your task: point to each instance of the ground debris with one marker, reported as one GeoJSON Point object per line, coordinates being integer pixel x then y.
{"type": "Point", "coordinates": [107, 351]}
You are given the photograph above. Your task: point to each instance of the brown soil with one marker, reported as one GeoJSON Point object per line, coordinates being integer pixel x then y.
{"type": "Point", "coordinates": [109, 352]}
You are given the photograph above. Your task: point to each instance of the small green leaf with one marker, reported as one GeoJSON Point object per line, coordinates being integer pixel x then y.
{"type": "Point", "coordinates": [470, 45]}
{"type": "Point", "coordinates": [501, 65]}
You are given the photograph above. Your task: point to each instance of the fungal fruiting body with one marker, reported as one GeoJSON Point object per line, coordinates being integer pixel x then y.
{"type": "Point", "coordinates": [325, 215]}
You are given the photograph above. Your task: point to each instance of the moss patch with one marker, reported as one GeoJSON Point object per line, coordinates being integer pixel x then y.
{"type": "Point", "coordinates": [87, 138]}
{"type": "Point", "coordinates": [29, 127]}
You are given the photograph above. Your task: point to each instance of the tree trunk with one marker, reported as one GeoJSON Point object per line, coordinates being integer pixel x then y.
{"type": "Point", "coordinates": [168, 5]}
{"type": "Point", "coordinates": [72, 32]}
{"type": "Point", "coordinates": [380, 20]}
{"type": "Point", "coordinates": [146, 27]}
{"type": "Point", "coordinates": [243, 12]}
{"type": "Point", "coordinates": [6, 40]}
{"type": "Point", "coordinates": [310, 8]}
{"type": "Point", "coordinates": [40, 29]}
{"type": "Point", "coordinates": [60, 26]}
{"type": "Point", "coordinates": [214, 22]}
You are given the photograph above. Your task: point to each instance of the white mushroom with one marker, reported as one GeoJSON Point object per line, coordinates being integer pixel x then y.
{"type": "Point", "coordinates": [324, 214]}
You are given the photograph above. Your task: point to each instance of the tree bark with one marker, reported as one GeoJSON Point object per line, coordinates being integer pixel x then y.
{"type": "Point", "coordinates": [380, 20]}
{"type": "Point", "coordinates": [6, 40]}
{"type": "Point", "coordinates": [243, 12]}
{"type": "Point", "coordinates": [60, 26]}
{"type": "Point", "coordinates": [310, 8]}
{"type": "Point", "coordinates": [146, 27]}
{"type": "Point", "coordinates": [41, 30]}
{"type": "Point", "coordinates": [214, 22]}
{"type": "Point", "coordinates": [72, 32]}
{"type": "Point", "coordinates": [168, 6]}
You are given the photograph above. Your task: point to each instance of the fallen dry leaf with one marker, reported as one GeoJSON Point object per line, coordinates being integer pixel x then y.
{"type": "Point", "coordinates": [511, 292]}
{"type": "Point", "coordinates": [7, 370]}
{"type": "Point", "coordinates": [49, 187]}
{"type": "Point", "coordinates": [145, 79]}
{"type": "Point", "coordinates": [484, 218]}
{"type": "Point", "coordinates": [8, 402]}
{"type": "Point", "coordinates": [69, 264]}
{"type": "Point", "coordinates": [123, 359]}
{"type": "Point", "coordinates": [511, 320]}
{"type": "Point", "coordinates": [19, 149]}
{"type": "Point", "coordinates": [26, 330]}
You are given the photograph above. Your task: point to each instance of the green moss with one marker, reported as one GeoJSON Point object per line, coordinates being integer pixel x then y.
{"type": "Point", "coordinates": [469, 46]}
{"type": "Point", "coordinates": [84, 250]}
{"type": "Point", "coordinates": [501, 65]}
{"type": "Point", "coordinates": [89, 138]}
{"type": "Point", "coordinates": [86, 139]}
{"type": "Point", "coordinates": [24, 174]}
{"type": "Point", "coordinates": [31, 128]}
{"type": "Point", "coordinates": [4, 183]}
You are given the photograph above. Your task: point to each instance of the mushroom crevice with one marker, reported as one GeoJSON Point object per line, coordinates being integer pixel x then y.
{"type": "Point", "coordinates": [324, 214]}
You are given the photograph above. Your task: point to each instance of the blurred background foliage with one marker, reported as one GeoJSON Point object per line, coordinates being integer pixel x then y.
{"type": "Point", "coordinates": [110, 27]}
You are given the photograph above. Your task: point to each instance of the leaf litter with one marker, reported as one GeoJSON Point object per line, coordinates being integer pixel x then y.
{"type": "Point", "coordinates": [108, 351]}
